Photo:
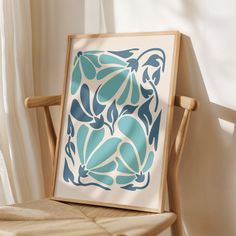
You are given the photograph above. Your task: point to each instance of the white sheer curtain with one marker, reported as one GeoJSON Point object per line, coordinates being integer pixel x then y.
{"type": "Point", "coordinates": [20, 166]}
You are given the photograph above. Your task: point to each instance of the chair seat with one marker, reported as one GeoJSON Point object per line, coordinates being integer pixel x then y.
{"type": "Point", "coordinates": [48, 217]}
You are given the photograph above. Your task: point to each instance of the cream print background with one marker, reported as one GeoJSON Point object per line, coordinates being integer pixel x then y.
{"type": "Point", "coordinates": [148, 197]}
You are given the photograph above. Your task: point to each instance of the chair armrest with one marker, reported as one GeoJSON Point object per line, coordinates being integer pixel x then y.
{"type": "Point", "coordinates": [43, 101]}
{"type": "Point", "coordinates": [188, 103]}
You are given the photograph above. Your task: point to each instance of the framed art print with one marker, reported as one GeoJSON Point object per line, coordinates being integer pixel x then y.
{"type": "Point", "coordinates": [116, 119]}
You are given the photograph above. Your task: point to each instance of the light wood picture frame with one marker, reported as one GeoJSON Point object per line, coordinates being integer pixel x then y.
{"type": "Point", "coordinates": [116, 119]}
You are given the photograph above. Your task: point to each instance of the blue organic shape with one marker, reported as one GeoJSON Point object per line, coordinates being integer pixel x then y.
{"type": "Point", "coordinates": [153, 61]}
{"type": "Point", "coordinates": [68, 147]}
{"type": "Point", "coordinates": [146, 92]}
{"type": "Point", "coordinates": [156, 76]}
{"type": "Point", "coordinates": [128, 109]}
{"type": "Point", "coordinates": [97, 107]}
{"type": "Point", "coordinates": [98, 122]}
{"type": "Point", "coordinates": [145, 114]}
{"type": "Point", "coordinates": [146, 76]}
{"type": "Point", "coordinates": [154, 133]}
{"type": "Point", "coordinates": [132, 187]}
{"type": "Point", "coordinates": [82, 172]}
{"type": "Point", "coordinates": [67, 174]}
{"type": "Point", "coordinates": [135, 90]}
{"type": "Point", "coordinates": [125, 53]}
{"type": "Point", "coordinates": [140, 177]}
{"type": "Point", "coordinates": [70, 127]}
{"type": "Point", "coordinates": [78, 113]}
{"type": "Point", "coordinates": [85, 98]}
{"type": "Point", "coordinates": [133, 64]}
{"type": "Point", "coordinates": [112, 113]}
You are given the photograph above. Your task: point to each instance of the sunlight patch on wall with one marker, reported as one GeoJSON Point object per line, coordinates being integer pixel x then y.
{"type": "Point", "coordinates": [227, 126]}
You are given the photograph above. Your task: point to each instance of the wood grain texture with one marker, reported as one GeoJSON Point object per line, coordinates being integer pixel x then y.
{"type": "Point", "coordinates": [173, 173]}
{"type": "Point", "coordinates": [47, 217]}
{"type": "Point", "coordinates": [42, 101]}
{"type": "Point", "coordinates": [52, 139]}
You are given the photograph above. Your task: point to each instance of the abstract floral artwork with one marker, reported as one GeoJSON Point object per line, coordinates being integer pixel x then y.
{"type": "Point", "coordinates": [113, 135]}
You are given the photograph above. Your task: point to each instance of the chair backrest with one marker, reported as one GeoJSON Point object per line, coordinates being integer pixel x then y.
{"type": "Point", "coordinates": [186, 103]}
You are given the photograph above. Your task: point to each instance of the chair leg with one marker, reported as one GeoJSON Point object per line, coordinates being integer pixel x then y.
{"type": "Point", "coordinates": [173, 173]}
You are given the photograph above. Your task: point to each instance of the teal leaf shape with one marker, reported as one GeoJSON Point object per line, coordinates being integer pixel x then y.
{"type": "Point", "coordinates": [106, 179]}
{"type": "Point", "coordinates": [122, 167]}
{"type": "Point", "coordinates": [93, 52]}
{"type": "Point", "coordinates": [129, 157]}
{"type": "Point", "coordinates": [88, 68]}
{"type": "Point", "coordinates": [124, 94]}
{"type": "Point", "coordinates": [103, 152]}
{"type": "Point", "coordinates": [123, 179]}
{"type": "Point", "coordinates": [149, 162]}
{"type": "Point", "coordinates": [76, 78]}
{"type": "Point", "coordinates": [106, 168]}
{"type": "Point", "coordinates": [111, 87]}
{"type": "Point", "coordinates": [107, 71]}
{"type": "Point", "coordinates": [132, 129]}
{"type": "Point", "coordinates": [81, 138]}
{"type": "Point", "coordinates": [94, 59]}
{"type": "Point", "coordinates": [94, 140]}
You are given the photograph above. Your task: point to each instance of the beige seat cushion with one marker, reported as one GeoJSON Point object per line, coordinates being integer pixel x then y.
{"type": "Point", "coordinates": [47, 217]}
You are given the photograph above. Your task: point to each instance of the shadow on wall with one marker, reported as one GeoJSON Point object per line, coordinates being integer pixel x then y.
{"type": "Point", "coordinates": [208, 166]}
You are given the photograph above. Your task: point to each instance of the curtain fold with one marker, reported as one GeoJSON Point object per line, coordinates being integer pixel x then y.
{"type": "Point", "coordinates": [22, 179]}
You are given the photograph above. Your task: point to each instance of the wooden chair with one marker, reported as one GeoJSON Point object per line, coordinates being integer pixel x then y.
{"type": "Point", "coordinates": [123, 222]}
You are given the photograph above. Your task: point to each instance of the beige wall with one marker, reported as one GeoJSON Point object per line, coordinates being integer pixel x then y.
{"type": "Point", "coordinates": [206, 71]}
